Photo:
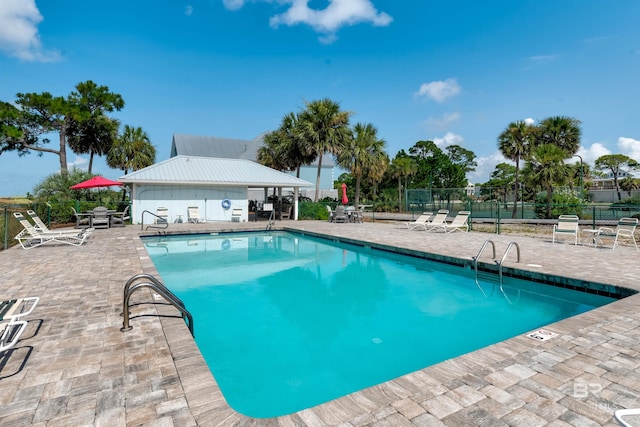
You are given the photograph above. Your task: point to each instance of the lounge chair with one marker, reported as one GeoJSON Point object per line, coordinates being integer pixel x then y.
{"type": "Point", "coordinates": [40, 226]}
{"type": "Point", "coordinates": [10, 332]}
{"type": "Point", "coordinates": [193, 215]}
{"type": "Point", "coordinates": [118, 219]}
{"type": "Point", "coordinates": [162, 216]}
{"type": "Point", "coordinates": [100, 217]}
{"type": "Point", "coordinates": [30, 237]}
{"type": "Point", "coordinates": [459, 223]}
{"type": "Point", "coordinates": [624, 230]}
{"type": "Point", "coordinates": [236, 215]}
{"type": "Point", "coordinates": [18, 307]}
{"type": "Point", "coordinates": [633, 413]}
{"type": "Point", "coordinates": [419, 222]}
{"type": "Point", "coordinates": [438, 220]}
{"type": "Point", "coordinates": [567, 225]}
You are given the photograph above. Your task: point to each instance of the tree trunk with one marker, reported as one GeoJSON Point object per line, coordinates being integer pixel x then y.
{"type": "Point", "coordinates": [63, 152]}
{"type": "Point", "coordinates": [90, 161]}
{"type": "Point", "coordinates": [356, 201]}
{"type": "Point", "coordinates": [318, 177]}
{"type": "Point", "coordinates": [399, 194]}
{"type": "Point", "coordinates": [515, 199]}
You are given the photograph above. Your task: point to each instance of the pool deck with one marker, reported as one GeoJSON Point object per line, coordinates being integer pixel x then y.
{"type": "Point", "coordinates": [73, 365]}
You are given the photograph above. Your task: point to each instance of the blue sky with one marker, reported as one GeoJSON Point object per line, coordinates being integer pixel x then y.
{"type": "Point", "coordinates": [455, 72]}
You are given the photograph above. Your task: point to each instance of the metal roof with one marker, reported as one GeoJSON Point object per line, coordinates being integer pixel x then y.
{"type": "Point", "coordinates": [227, 148]}
{"type": "Point", "coordinates": [212, 171]}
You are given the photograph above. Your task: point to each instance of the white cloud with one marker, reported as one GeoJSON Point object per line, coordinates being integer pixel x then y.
{"type": "Point", "coordinates": [188, 10]}
{"type": "Point", "coordinates": [78, 163]}
{"type": "Point", "coordinates": [540, 60]}
{"type": "Point", "coordinates": [590, 154]}
{"type": "Point", "coordinates": [439, 90]}
{"type": "Point", "coordinates": [449, 138]}
{"type": "Point", "coordinates": [629, 147]}
{"type": "Point", "coordinates": [328, 21]}
{"type": "Point", "coordinates": [444, 121]}
{"type": "Point", "coordinates": [529, 121]}
{"type": "Point", "coordinates": [233, 4]}
{"type": "Point", "coordinates": [19, 36]}
{"type": "Point", "coordinates": [486, 165]}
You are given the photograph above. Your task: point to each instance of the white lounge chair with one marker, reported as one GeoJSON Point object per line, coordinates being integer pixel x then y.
{"type": "Point", "coordinates": [11, 325]}
{"type": "Point", "coordinates": [162, 215]}
{"type": "Point", "coordinates": [567, 225]}
{"type": "Point", "coordinates": [10, 332]}
{"type": "Point", "coordinates": [419, 222]}
{"type": "Point", "coordinates": [459, 223]}
{"type": "Point", "coordinates": [30, 237]}
{"type": "Point", "coordinates": [193, 215]}
{"type": "Point", "coordinates": [18, 307]}
{"type": "Point", "coordinates": [236, 215]}
{"type": "Point", "coordinates": [438, 220]}
{"type": "Point", "coordinates": [624, 230]}
{"type": "Point", "coordinates": [630, 414]}
{"type": "Point", "coordinates": [40, 226]}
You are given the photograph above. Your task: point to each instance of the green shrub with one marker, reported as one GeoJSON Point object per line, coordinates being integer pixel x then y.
{"type": "Point", "coordinates": [311, 210]}
{"type": "Point", "coordinates": [562, 203]}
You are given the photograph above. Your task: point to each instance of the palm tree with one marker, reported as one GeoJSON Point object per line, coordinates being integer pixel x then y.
{"type": "Point", "coordinates": [515, 144]}
{"type": "Point", "coordinates": [93, 136]}
{"type": "Point", "coordinates": [548, 168]}
{"type": "Point", "coordinates": [629, 184]}
{"type": "Point", "coordinates": [563, 132]}
{"type": "Point", "coordinates": [131, 151]}
{"type": "Point", "coordinates": [270, 154]}
{"type": "Point", "coordinates": [402, 167]}
{"type": "Point", "coordinates": [324, 128]}
{"type": "Point", "coordinates": [361, 153]}
{"type": "Point", "coordinates": [290, 149]}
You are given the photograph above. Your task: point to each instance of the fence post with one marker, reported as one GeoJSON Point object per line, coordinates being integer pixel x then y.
{"type": "Point", "coordinates": [6, 229]}
{"type": "Point", "coordinates": [594, 217]}
{"type": "Point", "coordinates": [498, 218]}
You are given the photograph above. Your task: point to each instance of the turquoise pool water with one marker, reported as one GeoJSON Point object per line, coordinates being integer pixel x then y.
{"type": "Point", "coordinates": [286, 322]}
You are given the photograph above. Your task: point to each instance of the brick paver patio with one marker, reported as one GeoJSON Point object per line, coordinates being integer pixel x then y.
{"type": "Point", "coordinates": [73, 365]}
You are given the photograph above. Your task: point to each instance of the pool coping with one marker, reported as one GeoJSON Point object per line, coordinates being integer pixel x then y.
{"type": "Point", "coordinates": [425, 396]}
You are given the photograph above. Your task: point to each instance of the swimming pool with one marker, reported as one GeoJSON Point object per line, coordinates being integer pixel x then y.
{"type": "Point", "coordinates": [286, 322]}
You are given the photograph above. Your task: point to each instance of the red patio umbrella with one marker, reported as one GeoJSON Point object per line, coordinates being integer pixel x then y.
{"type": "Point", "coordinates": [95, 182]}
{"type": "Point", "coordinates": [345, 199]}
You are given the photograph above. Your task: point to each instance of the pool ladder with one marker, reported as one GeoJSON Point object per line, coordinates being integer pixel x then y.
{"type": "Point", "coordinates": [499, 262]}
{"type": "Point", "coordinates": [131, 286]}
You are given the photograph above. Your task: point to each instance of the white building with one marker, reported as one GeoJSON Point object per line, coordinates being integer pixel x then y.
{"type": "Point", "coordinates": [217, 186]}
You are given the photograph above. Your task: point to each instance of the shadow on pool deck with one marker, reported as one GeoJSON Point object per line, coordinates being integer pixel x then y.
{"type": "Point", "coordinates": [73, 366]}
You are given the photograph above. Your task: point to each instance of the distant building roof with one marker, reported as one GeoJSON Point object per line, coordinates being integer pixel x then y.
{"type": "Point", "coordinates": [226, 148]}
{"type": "Point", "coordinates": [212, 171]}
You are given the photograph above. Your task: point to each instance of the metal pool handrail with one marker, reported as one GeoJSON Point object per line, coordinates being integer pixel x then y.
{"type": "Point", "coordinates": [130, 287]}
{"type": "Point", "coordinates": [163, 223]}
